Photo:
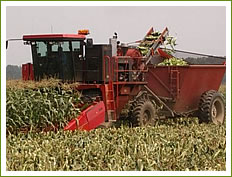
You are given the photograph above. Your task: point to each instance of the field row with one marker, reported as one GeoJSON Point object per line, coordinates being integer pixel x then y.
{"type": "Point", "coordinates": [34, 109]}
{"type": "Point", "coordinates": [39, 108]}
{"type": "Point", "coordinates": [174, 145]}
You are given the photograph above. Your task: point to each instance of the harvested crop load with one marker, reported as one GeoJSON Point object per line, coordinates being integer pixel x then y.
{"type": "Point", "coordinates": [173, 62]}
{"type": "Point", "coordinates": [151, 38]}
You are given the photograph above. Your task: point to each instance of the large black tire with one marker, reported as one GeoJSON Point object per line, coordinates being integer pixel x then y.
{"type": "Point", "coordinates": [133, 103]}
{"type": "Point", "coordinates": [144, 112]}
{"type": "Point", "coordinates": [212, 107]}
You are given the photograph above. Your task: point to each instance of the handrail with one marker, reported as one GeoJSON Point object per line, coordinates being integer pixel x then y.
{"type": "Point", "coordinates": [106, 57]}
{"type": "Point", "coordinates": [132, 70]}
{"type": "Point", "coordinates": [126, 61]}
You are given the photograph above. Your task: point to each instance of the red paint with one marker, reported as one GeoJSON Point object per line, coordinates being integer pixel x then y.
{"type": "Point", "coordinates": [72, 125]}
{"type": "Point", "coordinates": [119, 52]}
{"type": "Point", "coordinates": [163, 53]}
{"type": "Point", "coordinates": [53, 36]}
{"type": "Point", "coordinates": [27, 72]}
{"type": "Point", "coordinates": [96, 115]}
{"type": "Point", "coordinates": [192, 82]}
{"type": "Point", "coordinates": [89, 119]}
{"type": "Point", "coordinates": [150, 31]}
{"type": "Point", "coordinates": [133, 53]}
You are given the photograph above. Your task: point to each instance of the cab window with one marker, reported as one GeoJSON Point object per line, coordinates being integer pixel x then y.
{"type": "Point", "coordinates": [76, 46]}
{"type": "Point", "coordinates": [41, 48]}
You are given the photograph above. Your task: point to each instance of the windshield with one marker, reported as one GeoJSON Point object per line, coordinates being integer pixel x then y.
{"type": "Point", "coordinates": [58, 59]}
{"type": "Point", "coordinates": [51, 48]}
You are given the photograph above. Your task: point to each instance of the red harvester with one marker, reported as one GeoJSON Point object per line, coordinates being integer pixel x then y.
{"type": "Point", "coordinates": [111, 75]}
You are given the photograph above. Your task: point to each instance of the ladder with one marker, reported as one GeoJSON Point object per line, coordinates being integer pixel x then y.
{"type": "Point", "coordinates": [110, 102]}
{"type": "Point", "coordinates": [175, 82]}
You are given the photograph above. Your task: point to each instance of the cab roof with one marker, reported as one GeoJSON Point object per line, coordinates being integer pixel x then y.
{"type": "Point", "coordinates": [53, 37]}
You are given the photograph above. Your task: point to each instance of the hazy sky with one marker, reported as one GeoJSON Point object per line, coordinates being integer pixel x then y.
{"type": "Point", "coordinates": [198, 29]}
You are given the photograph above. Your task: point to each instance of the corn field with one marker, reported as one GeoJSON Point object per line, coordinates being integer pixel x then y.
{"type": "Point", "coordinates": [172, 145]}
{"type": "Point", "coordinates": [39, 108]}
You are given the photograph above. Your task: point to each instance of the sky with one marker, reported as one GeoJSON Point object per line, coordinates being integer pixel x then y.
{"type": "Point", "coordinates": [199, 29]}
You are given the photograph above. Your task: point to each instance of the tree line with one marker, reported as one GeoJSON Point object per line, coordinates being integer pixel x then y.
{"type": "Point", "coordinates": [13, 72]}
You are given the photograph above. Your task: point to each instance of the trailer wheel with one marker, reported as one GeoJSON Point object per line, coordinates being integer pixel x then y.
{"type": "Point", "coordinates": [212, 107]}
{"type": "Point", "coordinates": [144, 113]}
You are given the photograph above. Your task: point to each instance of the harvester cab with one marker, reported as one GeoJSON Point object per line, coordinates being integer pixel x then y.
{"type": "Point", "coordinates": [70, 57]}
{"type": "Point", "coordinates": [56, 55]}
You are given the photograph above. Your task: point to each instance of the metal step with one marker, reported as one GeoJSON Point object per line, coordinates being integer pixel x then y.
{"type": "Point", "coordinates": [111, 116]}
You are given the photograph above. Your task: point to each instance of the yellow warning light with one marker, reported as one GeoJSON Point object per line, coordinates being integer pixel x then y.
{"type": "Point", "coordinates": [83, 32]}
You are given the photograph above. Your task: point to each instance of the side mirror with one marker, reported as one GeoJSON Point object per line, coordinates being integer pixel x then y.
{"type": "Point", "coordinates": [89, 43]}
{"type": "Point", "coordinates": [7, 41]}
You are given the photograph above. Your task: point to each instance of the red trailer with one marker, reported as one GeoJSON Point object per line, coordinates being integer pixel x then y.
{"type": "Point", "coordinates": [182, 88]}
{"type": "Point", "coordinates": [110, 76]}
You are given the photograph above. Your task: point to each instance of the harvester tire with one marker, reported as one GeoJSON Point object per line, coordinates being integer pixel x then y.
{"type": "Point", "coordinates": [133, 103]}
{"type": "Point", "coordinates": [144, 113]}
{"type": "Point", "coordinates": [212, 107]}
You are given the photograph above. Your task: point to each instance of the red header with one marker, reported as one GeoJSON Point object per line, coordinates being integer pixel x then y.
{"type": "Point", "coordinates": [53, 36]}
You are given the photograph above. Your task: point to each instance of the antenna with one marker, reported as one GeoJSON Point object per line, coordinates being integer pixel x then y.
{"type": "Point", "coordinates": [51, 29]}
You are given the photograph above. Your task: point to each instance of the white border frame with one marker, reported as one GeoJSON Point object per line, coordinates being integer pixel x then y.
{"type": "Point", "coordinates": [227, 4]}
